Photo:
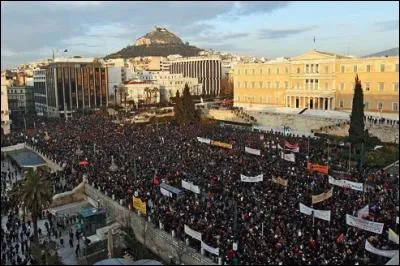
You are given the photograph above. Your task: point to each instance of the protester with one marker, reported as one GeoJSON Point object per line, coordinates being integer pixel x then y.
{"type": "Point", "coordinates": [269, 228]}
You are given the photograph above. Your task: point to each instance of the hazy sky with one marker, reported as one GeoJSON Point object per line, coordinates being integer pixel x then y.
{"type": "Point", "coordinates": [30, 30]}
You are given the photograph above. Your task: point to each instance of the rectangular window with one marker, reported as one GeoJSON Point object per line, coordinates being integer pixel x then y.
{"type": "Point", "coordinates": [269, 71]}
{"type": "Point", "coordinates": [286, 85]}
{"type": "Point", "coordinates": [316, 68]}
{"type": "Point", "coordinates": [252, 84]}
{"type": "Point", "coordinates": [367, 86]}
{"type": "Point", "coordinates": [368, 68]}
{"type": "Point", "coordinates": [355, 69]}
{"type": "Point", "coordinates": [260, 84]}
{"type": "Point", "coordinates": [380, 106]}
{"type": "Point", "coordinates": [298, 70]}
{"type": "Point", "coordinates": [342, 86]}
{"type": "Point", "coordinates": [326, 69]}
{"type": "Point", "coordinates": [382, 68]}
{"type": "Point", "coordinates": [277, 71]}
{"type": "Point", "coordinates": [254, 72]}
{"type": "Point", "coordinates": [245, 84]}
{"type": "Point", "coordinates": [316, 84]}
{"type": "Point", "coordinates": [311, 84]}
{"type": "Point", "coordinates": [342, 69]}
{"type": "Point", "coordinates": [277, 84]}
{"type": "Point", "coordinates": [366, 105]}
{"type": "Point", "coordinates": [245, 71]}
{"type": "Point", "coordinates": [395, 107]}
{"type": "Point", "coordinates": [381, 86]}
{"type": "Point", "coordinates": [307, 68]}
{"type": "Point", "coordinates": [312, 68]}
{"type": "Point", "coordinates": [238, 84]}
{"type": "Point", "coordinates": [397, 67]}
{"type": "Point", "coordinates": [306, 84]}
{"type": "Point", "coordinates": [341, 103]}
{"type": "Point", "coordinates": [396, 87]}
{"type": "Point", "coordinates": [286, 70]}
{"type": "Point", "coordinates": [269, 85]}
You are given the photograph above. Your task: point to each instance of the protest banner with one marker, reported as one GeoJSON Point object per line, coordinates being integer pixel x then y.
{"type": "Point", "coordinates": [292, 147]}
{"type": "Point", "coordinates": [192, 233]}
{"type": "Point", "coordinates": [139, 205]}
{"type": "Point", "coordinates": [320, 214]}
{"type": "Point", "coordinates": [221, 144]}
{"type": "Point", "coordinates": [381, 252]}
{"type": "Point", "coordinates": [322, 196]}
{"type": "Point", "coordinates": [288, 157]}
{"type": "Point", "coordinates": [190, 186]}
{"type": "Point", "coordinates": [364, 224]}
{"type": "Point", "coordinates": [252, 151]}
{"type": "Point", "coordinates": [346, 184]}
{"type": "Point", "coordinates": [323, 169]}
{"type": "Point", "coordinates": [280, 181]}
{"type": "Point", "coordinates": [210, 249]}
{"type": "Point", "coordinates": [393, 236]}
{"type": "Point", "coordinates": [257, 178]}
{"type": "Point", "coordinates": [204, 140]}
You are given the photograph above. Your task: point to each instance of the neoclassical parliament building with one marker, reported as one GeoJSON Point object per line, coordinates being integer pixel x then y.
{"type": "Point", "coordinates": [318, 80]}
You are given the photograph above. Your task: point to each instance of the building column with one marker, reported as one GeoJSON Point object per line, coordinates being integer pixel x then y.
{"type": "Point", "coordinates": [76, 87]}
{"type": "Point", "coordinates": [70, 89]}
{"type": "Point", "coordinates": [83, 89]}
{"type": "Point", "coordinates": [101, 91]}
{"type": "Point", "coordinates": [329, 103]}
{"type": "Point", "coordinates": [94, 86]}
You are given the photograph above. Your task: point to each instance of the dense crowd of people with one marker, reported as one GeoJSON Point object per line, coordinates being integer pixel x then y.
{"type": "Point", "coordinates": [263, 218]}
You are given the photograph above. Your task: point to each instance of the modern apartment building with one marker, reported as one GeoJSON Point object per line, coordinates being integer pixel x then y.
{"type": "Point", "coordinates": [318, 80]}
{"type": "Point", "coordinates": [75, 84]}
{"type": "Point", "coordinates": [207, 69]}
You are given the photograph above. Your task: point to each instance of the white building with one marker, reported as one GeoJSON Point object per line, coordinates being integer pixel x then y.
{"type": "Point", "coordinates": [169, 83]}
{"type": "Point", "coordinates": [5, 115]}
{"type": "Point", "coordinates": [142, 91]}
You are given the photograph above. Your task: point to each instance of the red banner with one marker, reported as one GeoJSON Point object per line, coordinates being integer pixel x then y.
{"type": "Point", "coordinates": [323, 169]}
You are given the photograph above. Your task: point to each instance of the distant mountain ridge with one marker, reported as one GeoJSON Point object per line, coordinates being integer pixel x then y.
{"type": "Point", "coordinates": [388, 52]}
{"type": "Point", "coordinates": [158, 42]}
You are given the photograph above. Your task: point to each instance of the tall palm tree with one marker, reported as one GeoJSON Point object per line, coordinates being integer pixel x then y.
{"type": "Point", "coordinates": [36, 194]}
{"type": "Point", "coordinates": [155, 91]}
{"type": "Point", "coordinates": [148, 94]}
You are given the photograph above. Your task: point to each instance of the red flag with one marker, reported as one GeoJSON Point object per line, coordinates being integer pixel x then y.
{"type": "Point", "coordinates": [156, 180]}
{"type": "Point", "coordinates": [83, 163]}
{"type": "Point", "coordinates": [340, 238]}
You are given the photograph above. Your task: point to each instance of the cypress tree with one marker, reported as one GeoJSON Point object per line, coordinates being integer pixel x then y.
{"type": "Point", "coordinates": [178, 108]}
{"type": "Point", "coordinates": [190, 113]}
{"type": "Point", "coordinates": [356, 130]}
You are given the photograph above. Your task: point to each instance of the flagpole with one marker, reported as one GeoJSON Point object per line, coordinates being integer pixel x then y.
{"type": "Point", "coordinates": [262, 229]}
{"type": "Point", "coordinates": [349, 155]}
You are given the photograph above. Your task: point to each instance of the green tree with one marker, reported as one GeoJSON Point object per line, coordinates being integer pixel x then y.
{"type": "Point", "coordinates": [356, 130]}
{"type": "Point", "coordinates": [36, 195]}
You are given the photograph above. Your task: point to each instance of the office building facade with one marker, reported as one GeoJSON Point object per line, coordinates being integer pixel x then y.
{"type": "Point", "coordinates": [208, 71]}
